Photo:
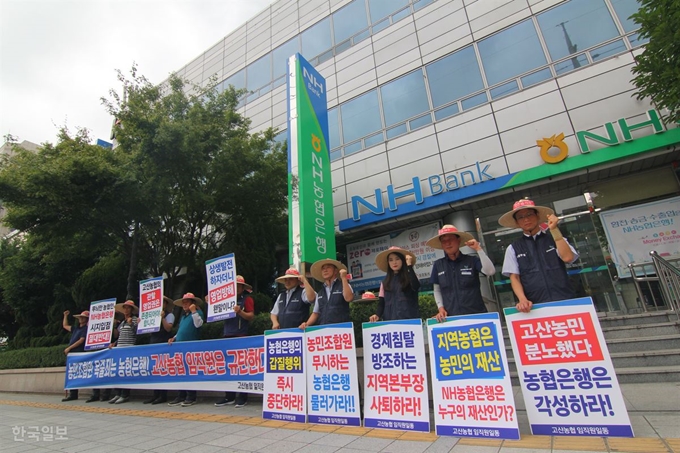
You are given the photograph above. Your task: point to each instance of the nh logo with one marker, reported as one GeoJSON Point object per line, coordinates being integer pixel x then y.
{"type": "Point", "coordinates": [312, 80]}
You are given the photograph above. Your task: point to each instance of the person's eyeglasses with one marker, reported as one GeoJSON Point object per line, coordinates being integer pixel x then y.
{"type": "Point", "coordinates": [525, 216]}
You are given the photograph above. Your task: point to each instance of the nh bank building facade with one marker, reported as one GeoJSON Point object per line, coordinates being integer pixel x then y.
{"type": "Point", "coordinates": [448, 111]}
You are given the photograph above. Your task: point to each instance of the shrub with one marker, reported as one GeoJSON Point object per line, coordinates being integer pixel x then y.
{"type": "Point", "coordinates": [33, 357]}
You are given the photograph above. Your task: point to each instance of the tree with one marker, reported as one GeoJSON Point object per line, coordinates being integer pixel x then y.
{"type": "Point", "coordinates": [657, 73]}
{"type": "Point", "coordinates": [208, 185]}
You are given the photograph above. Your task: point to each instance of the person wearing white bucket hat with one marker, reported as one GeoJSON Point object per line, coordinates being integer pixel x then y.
{"type": "Point", "coordinates": [291, 307]}
{"type": "Point", "coordinates": [456, 276]}
{"type": "Point", "coordinates": [535, 262]}
{"type": "Point", "coordinates": [332, 302]}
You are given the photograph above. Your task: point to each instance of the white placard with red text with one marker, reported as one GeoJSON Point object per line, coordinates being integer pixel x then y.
{"type": "Point", "coordinates": [221, 299]}
{"type": "Point", "coordinates": [395, 376]}
{"type": "Point", "coordinates": [332, 380]}
{"type": "Point", "coordinates": [150, 305]}
{"type": "Point", "coordinates": [100, 324]}
{"type": "Point", "coordinates": [285, 383]}
{"type": "Point", "coordinates": [566, 373]}
{"type": "Point", "coordinates": [471, 385]}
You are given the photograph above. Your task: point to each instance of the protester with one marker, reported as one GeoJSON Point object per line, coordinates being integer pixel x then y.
{"type": "Point", "coordinates": [190, 324]}
{"type": "Point", "coordinates": [291, 307]}
{"type": "Point", "coordinates": [162, 336]}
{"type": "Point", "coordinates": [398, 296]}
{"type": "Point", "coordinates": [238, 327]}
{"type": "Point", "coordinates": [127, 336]}
{"type": "Point", "coordinates": [77, 342]}
{"type": "Point", "coordinates": [456, 276]}
{"type": "Point", "coordinates": [332, 302]}
{"type": "Point", "coordinates": [536, 261]}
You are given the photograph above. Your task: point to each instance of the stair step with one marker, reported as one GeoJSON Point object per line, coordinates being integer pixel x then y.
{"type": "Point", "coordinates": [640, 330]}
{"type": "Point", "coordinates": [654, 343]}
{"type": "Point", "coordinates": [652, 317]}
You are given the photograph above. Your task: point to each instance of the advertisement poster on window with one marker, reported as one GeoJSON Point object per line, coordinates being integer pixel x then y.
{"type": "Point", "coordinates": [635, 231]}
{"type": "Point", "coordinates": [565, 371]}
{"type": "Point", "coordinates": [395, 376]}
{"type": "Point", "coordinates": [100, 325]}
{"type": "Point", "coordinates": [361, 255]}
{"type": "Point", "coordinates": [221, 299]}
{"type": "Point", "coordinates": [332, 379]}
{"type": "Point", "coordinates": [471, 386]}
{"type": "Point", "coordinates": [150, 305]}
{"type": "Point", "coordinates": [285, 382]}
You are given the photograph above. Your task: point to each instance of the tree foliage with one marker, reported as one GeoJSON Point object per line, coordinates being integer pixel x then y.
{"type": "Point", "coordinates": [187, 182]}
{"type": "Point", "coordinates": [657, 73]}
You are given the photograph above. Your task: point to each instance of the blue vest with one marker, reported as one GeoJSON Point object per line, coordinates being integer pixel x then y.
{"type": "Point", "coordinates": [293, 313]}
{"type": "Point", "coordinates": [459, 284]}
{"type": "Point", "coordinates": [186, 330]}
{"type": "Point", "coordinates": [401, 304]}
{"type": "Point", "coordinates": [335, 309]}
{"type": "Point", "coordinates": [237, 327]}
{"type": "Point", "coordinates": [541, 271]}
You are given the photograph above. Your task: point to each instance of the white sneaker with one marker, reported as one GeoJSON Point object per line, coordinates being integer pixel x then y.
{"type": "Point", "coordinates": [114, 399]}
{"type": "Point", "coordinates": [240, 405]}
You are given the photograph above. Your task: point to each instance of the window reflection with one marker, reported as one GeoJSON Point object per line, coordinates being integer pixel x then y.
{"type": "Point", "coordinates": [404, 97]}
{"type": "Point", "coordinates": [333, 129]}
{"type": "Point", "coordinates": [259, 72]}
{"type": "Point", "coordinates": [624, 9]}
{"type": "Point", "coordinates": [238, 80]}
{"type": "Point", "coordinates": [383, 8]}
{"type": "Point", "coordinates": [316, 39]}
{"type": "Point", "coordinates": [511, 52]}
{"type": "Point", "coordinates": [360, 116]}
{"type": "Point", "coordinates": [349, 20]}
{"type": "Point", "coordinates": [575, 26]}
{"type": "Point", "coordinates": [281, 54]}
{"type": "Point", "coordinates": [454, 77]}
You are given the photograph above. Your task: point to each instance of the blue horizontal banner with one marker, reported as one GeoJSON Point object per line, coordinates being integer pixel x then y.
{"type": "Point", "coordinates": [234, 364]}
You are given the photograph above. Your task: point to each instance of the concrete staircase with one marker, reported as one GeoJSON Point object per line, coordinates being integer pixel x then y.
{"type": "Point", "coordinates": [643, 347]}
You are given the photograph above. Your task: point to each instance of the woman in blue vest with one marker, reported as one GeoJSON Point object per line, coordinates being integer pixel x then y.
{"type": "Point", "coordinates": [162, 336]}
{"type": "Point", "coordinates": [291, 307]}
{"type": "Point", "coordinates": [536, 261]}
{"type": "Point", "coordinates": [399, 290]}
{"type": "Point", "coordinates": [332, 302]}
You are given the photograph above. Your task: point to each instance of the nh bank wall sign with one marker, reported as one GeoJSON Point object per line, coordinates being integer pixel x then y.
{"type": "Point", "coordinates": [479, 179]}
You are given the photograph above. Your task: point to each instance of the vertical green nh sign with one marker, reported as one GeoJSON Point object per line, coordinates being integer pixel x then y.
{"type": "Point", "coordinates": [311, 230]}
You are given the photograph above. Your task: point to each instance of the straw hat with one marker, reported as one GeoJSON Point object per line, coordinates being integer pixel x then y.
{"type": "Point", "coordinates": [291, 273]}
{"type": "Point", "coordinates": [127, 303]}
{"type": "Point", "coordinates": [508, 219]}
{"type": "Point", "coordinates": [190, 296]}
{"type": "Point", "coordinates": [382, 257]}
{"type": "Point", "coordinates": [316, 268]}
{"type": "Point", "coordinates": [242, 281]}
{"type": "Point", "coordinates": [84, 314]}
{"type": "Point", "coordinates": [435, 242]}
{"type": "Point", "coordinates": [368, 296]}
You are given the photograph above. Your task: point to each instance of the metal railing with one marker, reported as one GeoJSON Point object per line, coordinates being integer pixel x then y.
{"type": "Point", "coordinates": [663, 276]}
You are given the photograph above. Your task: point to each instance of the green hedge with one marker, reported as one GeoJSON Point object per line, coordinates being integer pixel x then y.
{"type": "Point", "coordinates": [33, 357]}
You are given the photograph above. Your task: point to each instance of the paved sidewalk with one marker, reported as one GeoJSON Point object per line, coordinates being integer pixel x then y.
{"type": "Point", "coordinates": [132, 427]}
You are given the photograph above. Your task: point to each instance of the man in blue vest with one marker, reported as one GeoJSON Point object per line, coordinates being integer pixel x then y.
{"type": "Point", "coordinates": [238, 327]}
{"type": "Point", "coordinates": [291, 307]}
{"type": "Point", "coordinates": [535, 262]}
{"type": "Point", "coordinates": [332, 302]}
{"type": "Point", "coordinates": [190, 323]}
{"type": "Point", "coordinates": [455, 278]}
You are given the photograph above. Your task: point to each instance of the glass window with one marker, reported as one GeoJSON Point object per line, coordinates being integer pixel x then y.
{"type": "Point", "coordinates": [635, 40]}
{"type": "Point", "coordinates": [238, 80]}
{"type": "Point", "coordinates": [336, 155]}
{"type": "Point", "coordinates": [536, 77]}
{"type": "Point", "coordinates": [404, 98]}
{"type": "Point", "coordinates": [281, 54]}
{"type": "Point", "coordinates": [374, 140]}
{"type": "Point", "coordinates": [575, 26]}
{"type": "Point", "coordinates": [454, 77]}
{"type": "Point", "coordinates": [396, 131]}
{"type": "Point", "coordinates": [420, 122]}
{"type": "Point", "coordinates": [446, 112]}
{"type": "Point", "coordinates": [281, 137]}
{"type": "Point", "coordinates": [474, 101]}
{"type": "Point", "coordinates": [511, 52]}
{"type": "Point", "coordinates": [360, 116]}
{"type": "Point", "coordinates": [572, 63]}
{"type": "Point", "coordinates": [353, 148]}
{"type": "Point", "coordinates": [383, 8]}
{"type": "Point", "coordinates": [418, 4]}
{"type": "Point", "coordinates": [333, 129]}
{"type": "Point", "coordinates": [503, 90]}
{"type": "Point", "coordinates": [316, 39]}
{"type": "Point", "coordinates": [349, 20]}
{"type": "Point", "coordinates": [259, 72]}
{"type": "Point", "coordinates": [624, 9]}
{"type": "Point", "coordinates": [608, 50]}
